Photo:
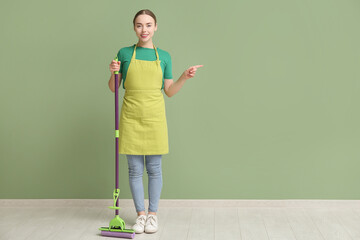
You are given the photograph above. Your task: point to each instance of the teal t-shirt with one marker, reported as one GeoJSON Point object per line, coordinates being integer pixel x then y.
{"type": "Point", "coordinates": [125, 54]}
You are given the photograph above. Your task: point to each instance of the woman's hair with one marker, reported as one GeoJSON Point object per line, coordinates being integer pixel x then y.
{"type": "Point", "coordinates": [145, 11]}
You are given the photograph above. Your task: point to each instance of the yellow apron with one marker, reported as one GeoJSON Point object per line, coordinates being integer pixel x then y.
{"type": "Point", "coordinates": [143, 127]}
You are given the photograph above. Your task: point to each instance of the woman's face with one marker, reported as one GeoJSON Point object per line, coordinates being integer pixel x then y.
{"type": "Point", "coordinates": [144, 27]}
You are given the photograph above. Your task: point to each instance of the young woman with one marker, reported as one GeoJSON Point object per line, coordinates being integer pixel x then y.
{"type": "Point", "coordinates": [145, 70]}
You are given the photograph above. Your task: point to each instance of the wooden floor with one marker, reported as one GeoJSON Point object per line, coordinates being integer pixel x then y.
{"type": "Point", "coordinates": [225, 223]}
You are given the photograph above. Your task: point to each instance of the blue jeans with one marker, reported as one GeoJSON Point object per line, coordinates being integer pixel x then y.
{"type": "Point", "coordinates": [136, 169]}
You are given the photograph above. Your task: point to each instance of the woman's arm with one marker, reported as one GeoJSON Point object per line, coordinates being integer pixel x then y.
{"type": "Point", "coordinates": [114, 66]}
{"type": "Point", "coordinates": [171, 87]}
{"type": "Point", "coordinates": [112, 81]}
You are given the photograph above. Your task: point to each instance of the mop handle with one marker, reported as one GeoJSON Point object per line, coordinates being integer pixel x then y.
{"type": "Point", "coordinates": [116, 134]}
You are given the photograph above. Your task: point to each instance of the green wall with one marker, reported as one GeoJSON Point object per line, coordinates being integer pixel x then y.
{"type": "Point", "coordinates": [273, 114]}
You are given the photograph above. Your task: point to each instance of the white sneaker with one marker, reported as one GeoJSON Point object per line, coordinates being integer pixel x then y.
{"type": "Point", "coordinates": [139, 226]}
{"type": "Point", "coordinates": [151, 225]}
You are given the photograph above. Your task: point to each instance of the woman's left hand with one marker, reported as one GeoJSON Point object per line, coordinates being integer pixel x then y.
{"type": "Point", "coordinates": [190, 72]}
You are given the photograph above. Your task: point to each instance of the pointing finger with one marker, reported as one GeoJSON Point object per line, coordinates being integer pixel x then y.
{"type": "Point", "coordinates": [197, 66]}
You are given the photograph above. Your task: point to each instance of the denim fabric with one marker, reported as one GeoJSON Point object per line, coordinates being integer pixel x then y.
{"type": "Point", "coordinates": [136, 169]}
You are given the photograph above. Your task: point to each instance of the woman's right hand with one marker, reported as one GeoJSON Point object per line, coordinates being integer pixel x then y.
{"type": "Point", "coordinates": [114, 66]}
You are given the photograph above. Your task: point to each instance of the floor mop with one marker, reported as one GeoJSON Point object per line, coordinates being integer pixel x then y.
{"type": "Point", "coordinates": [117, 225]}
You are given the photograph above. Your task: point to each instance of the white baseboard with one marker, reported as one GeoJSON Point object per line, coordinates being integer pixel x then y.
{"type": "Point", "coordinates": [307, 203]}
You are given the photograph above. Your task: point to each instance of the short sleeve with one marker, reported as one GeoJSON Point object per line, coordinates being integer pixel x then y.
{"type": "Point", "coordinates": [168, 68]}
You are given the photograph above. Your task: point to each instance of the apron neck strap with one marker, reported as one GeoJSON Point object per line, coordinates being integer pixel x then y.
{"type": "Point", "coordinates": [157, 54]}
